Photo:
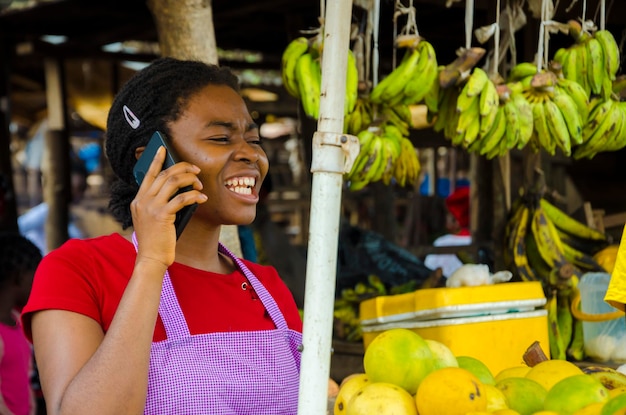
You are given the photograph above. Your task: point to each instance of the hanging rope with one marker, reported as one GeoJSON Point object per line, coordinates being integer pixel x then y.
{"type": "Point", "coordinates": [496, 42]}
{"type": "Point", "coordinates": [469, 22]}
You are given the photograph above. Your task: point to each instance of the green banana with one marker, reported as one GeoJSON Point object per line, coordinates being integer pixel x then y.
{"type": "Point", "coordinates": [568, 224]}
{"type": "Point", "coordinates": [495, 134]}
{"type": "Point", "coordinates": [558, 127]}
{"type": "Point", "coordinates": [522, 70]}
{"type": "Point", "coordinates": [558, 350]}
{"type": "Point", "coordinates": [610, 50]}
{"type": "Point", "coordinates": [392, 85]}
{"type": "Point", "coordinates": [526, 119]}
{"type": "Point", "coordinates": [564, 316]}
{"type": "Point", "coordinates": [513, 120]}
{"type": "Point", "coordinates": [576, 348]}
{"type": "Point", "coordinates": [423, 76]}
{"type": "Point", "coordinates": [541, 131]}
{"type": "Point", "coordinates": [308, 74]}
{"type": "Point", "coordinates": [578, 94]}
{"type": "Point", "coordinates": [292, 52]}
{"type": "Point", "coordinates": [597, 70]}
{"type": "Point", "coordinates": [572, 118]}
{"type": "Point", "coordinates": [352, 83]}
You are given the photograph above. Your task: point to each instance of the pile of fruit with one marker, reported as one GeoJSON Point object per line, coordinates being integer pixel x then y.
{"type": "Point", "coordinates": [406, 374]}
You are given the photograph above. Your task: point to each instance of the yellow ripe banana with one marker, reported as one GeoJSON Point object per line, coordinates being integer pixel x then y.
{"type": "Point", "coordinates": [596, 70]}
{"type": "Point", "coordinates": [548, 241]}
{"type": "Point", "coordinates": [489, 99]}
{"type": "Point", "coordinates": [292, 52]}
{"type": "Point", "coordinates": [558, 127]}
{"type": "Point", "coordinates": [578, 94]}
{"type": "Point", "coordinates": [475, 83]}
{"type": "Point", "coordinates": [526, 124]}
{"type": "Point", "coordinates": [391, 86]}
{"type": "Point", "coordinates": [352, 83]}
{"type": "Point", "coordinates": [541, 269]}
{"type": "Point", "coordinates": [513, 130]}
{"type": "Point", "coordinates": [487, 121]}
{"type": "Point", "coordinates": [308, 73]}
{"type": "Point", "coordinates": [568, 224]}
{"type": "Point", "coordinates": [468, 115]}
{"type": "Point", "coordinates": [610, 51]}
{"type": "Point", "coordinates": [520, 260]}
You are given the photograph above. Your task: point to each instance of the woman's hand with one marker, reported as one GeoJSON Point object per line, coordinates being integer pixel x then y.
{"type": "Point", "coordinates": [154, 210]}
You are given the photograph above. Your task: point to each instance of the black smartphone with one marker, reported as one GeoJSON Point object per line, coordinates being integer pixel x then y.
{"type": "Point", "coordinates": [157, 140]}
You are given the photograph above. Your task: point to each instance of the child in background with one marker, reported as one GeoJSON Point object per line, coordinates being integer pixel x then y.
{"type": "Point", "coordinates": [18, 260]}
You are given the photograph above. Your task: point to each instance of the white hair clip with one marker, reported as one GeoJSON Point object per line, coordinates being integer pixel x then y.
{"type": "Point", "coordinates": [131, 118]}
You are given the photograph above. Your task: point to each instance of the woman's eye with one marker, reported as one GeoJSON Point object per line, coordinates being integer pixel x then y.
{"type": "Point", "coordinates": [220, 139]}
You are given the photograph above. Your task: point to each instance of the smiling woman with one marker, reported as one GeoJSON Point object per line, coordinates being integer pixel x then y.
{"type": "Point", "coordinates": [154, 324]}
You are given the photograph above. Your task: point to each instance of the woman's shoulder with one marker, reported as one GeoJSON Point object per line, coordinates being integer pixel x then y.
{"type": "Point", "coordinates": [108, 242]}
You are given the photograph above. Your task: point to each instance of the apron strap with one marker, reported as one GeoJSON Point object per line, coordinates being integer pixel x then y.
{"type": "Point", "coordinates": [266, 298]}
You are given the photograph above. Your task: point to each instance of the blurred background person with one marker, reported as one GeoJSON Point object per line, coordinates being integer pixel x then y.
{"type": "Point", "coordinates": [19, 258]}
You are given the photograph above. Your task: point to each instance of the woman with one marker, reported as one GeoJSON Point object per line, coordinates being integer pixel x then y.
{"type": "Point", "coordinates": [151, 324]}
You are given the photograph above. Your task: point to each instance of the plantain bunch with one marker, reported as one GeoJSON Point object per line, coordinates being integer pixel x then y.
{"type": "Point", "coordinates": [543, 243]}
{"type": "Point", "coordinates": [301, 73]}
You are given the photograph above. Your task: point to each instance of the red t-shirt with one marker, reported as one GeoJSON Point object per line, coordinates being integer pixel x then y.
{"type": "Point", "coordinates": [89, 277]}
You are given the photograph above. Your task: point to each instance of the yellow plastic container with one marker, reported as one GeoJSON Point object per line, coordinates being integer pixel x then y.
{"type": "Point", "coordinates": [494, 323]}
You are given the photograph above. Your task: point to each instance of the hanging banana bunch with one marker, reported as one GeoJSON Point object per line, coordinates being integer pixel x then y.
{"type": "Point", "coordinates": [301, 73]}
{"type": "Point", "coordinates": [413, 79]}
{"type": "Point", "coordinates": [592, 61]}
{"type": "Point", "coordinates": [386, 154]}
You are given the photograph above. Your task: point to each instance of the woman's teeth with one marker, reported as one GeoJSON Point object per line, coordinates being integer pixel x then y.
{"type": "Point", "coordinates": [241, 185]}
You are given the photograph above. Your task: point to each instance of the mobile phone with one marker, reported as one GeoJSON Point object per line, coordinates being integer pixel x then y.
{"type": "Point", "coordinates": [157, 140]}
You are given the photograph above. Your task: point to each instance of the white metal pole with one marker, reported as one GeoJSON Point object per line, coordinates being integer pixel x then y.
{"type": "Point", "coordinates": [327, 166]}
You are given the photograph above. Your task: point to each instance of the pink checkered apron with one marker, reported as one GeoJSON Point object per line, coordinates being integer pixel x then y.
{"type": "Point", "coordinates": [234, 373]}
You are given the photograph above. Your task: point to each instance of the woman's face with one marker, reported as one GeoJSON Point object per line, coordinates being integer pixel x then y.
{"type": "Point", "coordinates": [217, 134]}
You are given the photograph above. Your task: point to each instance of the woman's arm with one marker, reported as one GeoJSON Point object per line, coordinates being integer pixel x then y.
{"type": "Point", "coordinates": [82, 370]}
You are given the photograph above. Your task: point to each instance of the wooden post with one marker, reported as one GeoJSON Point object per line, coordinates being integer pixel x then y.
{"type": "Point", "coordinates": [186, 31]}
{"type": "Point", "coordinates": [56, 160]}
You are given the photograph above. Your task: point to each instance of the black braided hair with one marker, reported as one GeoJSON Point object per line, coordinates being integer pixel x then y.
{"type": "Point", "coordinates": [152, 98]}
{"type": "Point", "coordinates": [18, 256]}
